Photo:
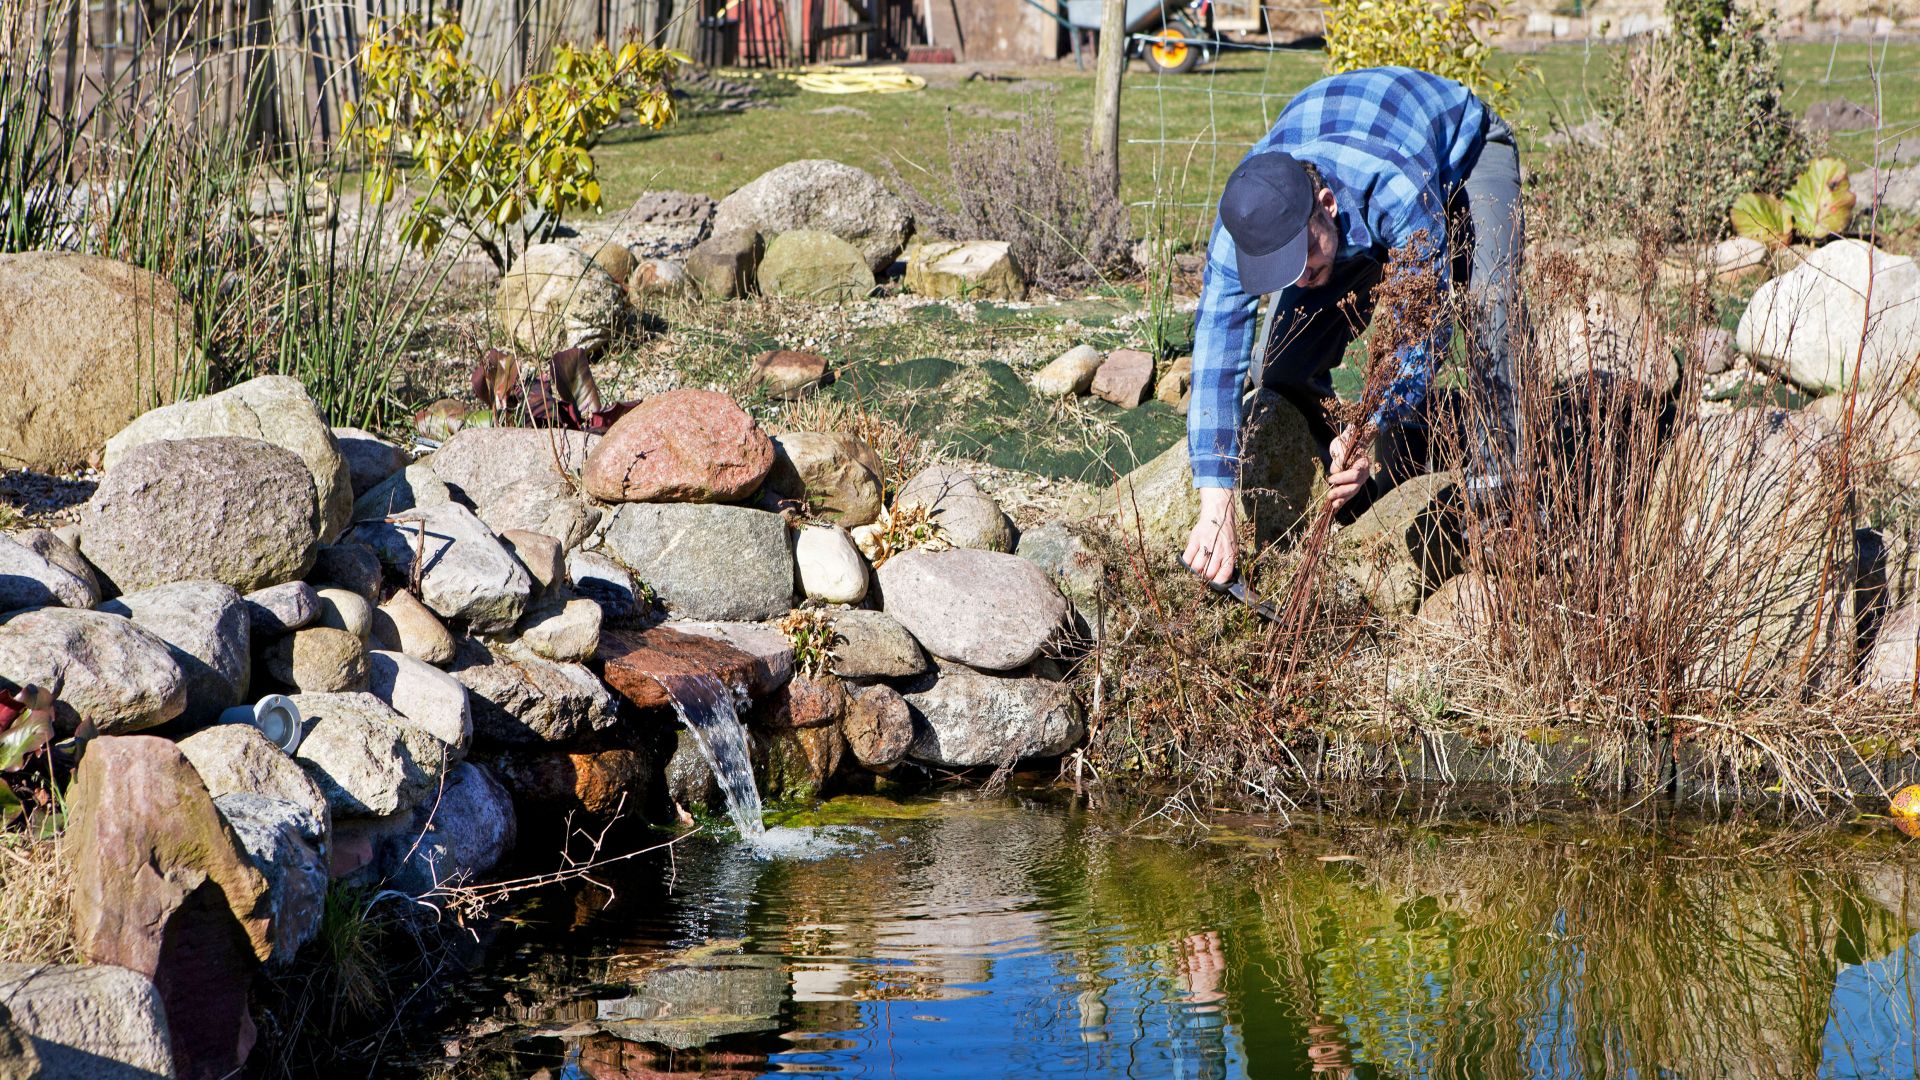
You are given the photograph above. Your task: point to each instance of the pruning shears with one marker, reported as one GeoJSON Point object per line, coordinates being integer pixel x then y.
{"type": "Point", "coordinates": [1237, 588]}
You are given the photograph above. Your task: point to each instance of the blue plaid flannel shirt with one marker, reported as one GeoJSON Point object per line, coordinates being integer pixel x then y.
{"type": "Point", "coordinates": [1393, 143]}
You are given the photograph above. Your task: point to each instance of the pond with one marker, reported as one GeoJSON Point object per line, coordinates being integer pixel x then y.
{"type": "Point", "coordinates": [1021, 935]}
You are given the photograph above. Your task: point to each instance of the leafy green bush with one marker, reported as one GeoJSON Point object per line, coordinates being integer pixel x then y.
{"type": "Point", "coordinates": [1692, 119]}
{"type": "Point", "coordinates": [1445, 39]}
{"type": "Point", "coordinates": [489, 158]}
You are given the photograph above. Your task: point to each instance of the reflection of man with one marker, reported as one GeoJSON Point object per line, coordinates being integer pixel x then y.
{"type": "Point", "coordinates": [1359, 164]}
{"type": "Point", "coordinates": [1199, 1044]}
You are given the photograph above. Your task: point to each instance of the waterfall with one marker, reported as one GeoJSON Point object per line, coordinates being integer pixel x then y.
{"type": "Point", "coordinates": [706, 706]}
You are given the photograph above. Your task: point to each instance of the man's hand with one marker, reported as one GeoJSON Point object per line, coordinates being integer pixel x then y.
{"type": "Point", "coordinates": [1212, 548]}
{"type": "Point", "coordinates": [1345, 478]}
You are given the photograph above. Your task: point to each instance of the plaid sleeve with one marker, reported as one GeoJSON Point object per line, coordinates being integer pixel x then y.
{"type": "Point", "coordinates": [1222, 347]}
{"type": "Point", "coordinates": [1402, 210]}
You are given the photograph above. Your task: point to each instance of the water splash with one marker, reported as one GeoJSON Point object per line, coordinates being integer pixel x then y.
{"type": "Point", "coordinates": [706, 706]}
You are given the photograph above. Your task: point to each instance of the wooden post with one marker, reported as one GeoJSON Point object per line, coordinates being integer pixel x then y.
{"type": "Point", "coordinates": [1107, 68]}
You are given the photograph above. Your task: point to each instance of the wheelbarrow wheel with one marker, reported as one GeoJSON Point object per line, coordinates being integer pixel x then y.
{"type": "Point", "coordinates": [1176, 49]}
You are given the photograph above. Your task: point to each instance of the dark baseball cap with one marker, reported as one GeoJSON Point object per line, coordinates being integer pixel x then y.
{"type": "Point", "coordinates": [1266, 206]}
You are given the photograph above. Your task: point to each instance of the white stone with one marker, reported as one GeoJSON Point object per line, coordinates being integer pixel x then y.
{"type": "Point", "coordinates": [1070, 373]}
{"type": "Point", "coordinates": [428, 698]}
{"type": "Point", "coordinates": [344, 609]}
{"type": "Point", "coordinates": [831, 568]}
{"type": "Point", "coordinates": [1812, 322]}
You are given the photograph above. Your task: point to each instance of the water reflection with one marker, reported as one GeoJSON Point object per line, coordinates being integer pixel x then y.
{"type": "Point", "coordinates": [1015, 938]}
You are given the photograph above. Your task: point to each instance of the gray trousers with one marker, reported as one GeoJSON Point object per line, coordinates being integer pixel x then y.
{"type": "Point", "coordinates": [1308, 330]}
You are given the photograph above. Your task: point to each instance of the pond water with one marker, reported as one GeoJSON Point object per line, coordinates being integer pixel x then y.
{"type": "Point", "coordinates": [1020, 936]}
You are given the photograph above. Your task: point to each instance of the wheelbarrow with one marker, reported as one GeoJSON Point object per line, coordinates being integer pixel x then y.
{"type": "Point", "coordinates": [1172, 36]}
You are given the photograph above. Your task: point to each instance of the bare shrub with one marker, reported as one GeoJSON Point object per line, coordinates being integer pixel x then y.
{"type": "Point", "coordinates": [1061, 219]}
{"type": "Point", "coordinates": [1652, 560]}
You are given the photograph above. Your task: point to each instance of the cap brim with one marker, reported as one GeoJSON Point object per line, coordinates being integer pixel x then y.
{"type": "Point", "coordinates": [1277, 269]}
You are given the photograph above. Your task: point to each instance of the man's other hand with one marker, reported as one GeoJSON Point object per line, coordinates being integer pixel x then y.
{"type": "Point", "coordinates": [1211, 549]}
{"type": "Point", "coordinates": [1345, 478]}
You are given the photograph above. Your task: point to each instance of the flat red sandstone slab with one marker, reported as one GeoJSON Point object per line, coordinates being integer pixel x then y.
{"type": "Point", "coordinates": [635, 658]}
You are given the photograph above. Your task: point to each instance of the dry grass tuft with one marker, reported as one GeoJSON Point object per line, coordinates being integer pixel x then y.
{"type": "Point", "coordinates": [36, 919]}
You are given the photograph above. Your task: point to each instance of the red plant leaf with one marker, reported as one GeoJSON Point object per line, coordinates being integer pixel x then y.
{"type": "Point", "coordinates": [573, 379]}
{"type": "Point", "coordinates": [603, 419]}
{"type": "Point", "coordinates": [496, 380]}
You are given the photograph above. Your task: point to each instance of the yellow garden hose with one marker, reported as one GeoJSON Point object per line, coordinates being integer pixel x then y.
{"type": "Point", "coordinates": [833, 79]}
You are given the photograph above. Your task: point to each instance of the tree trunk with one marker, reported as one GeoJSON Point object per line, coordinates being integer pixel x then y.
{"type": "Point", "coordinates": [1108, 66]}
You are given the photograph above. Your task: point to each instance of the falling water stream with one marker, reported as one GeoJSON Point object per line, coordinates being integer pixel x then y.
{"type": "Point", "coordinates": [706, 706]}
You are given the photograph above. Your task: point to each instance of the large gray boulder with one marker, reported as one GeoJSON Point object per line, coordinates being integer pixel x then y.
{"type": "Point", "coordinates": [207, 630]}
{"type": "Point", "coordinates": [87, 344]}
{"type": "Point", "coordinates": [273, 834]}
{"type": "Point", "coordinates": [110, 673]}
{"type": "Point", "coordinates": [367, 760]}
{"type": "Point", "coordinates": [484, 463]}
{"type": "Point", "coordinates": [967, 516]}
{"type": "Point", "coordinates": [707, 561]}
{"type": "Point", "coordinates": [233, 510]}
{"type": "Point", "coordinates": [28, 579]}
{"type": "Point", "coordinates": [94, 1021]}
{"type": "Point", "coordinates": [981, 608]}
{"type": "Point", "coordinates": [465, 572]}
{"type": "Point", "coordinates": [824, 195]}
{"type": "Point", "coordinates": [553, 297]}
{"type": "Point", "coordinates": [1814, 322]}
{"type": "Point", "coordinates": [271, 408]}
{"type": "Point", "coordinates": [527, 700]}
{"type": "Point", "coordinates": [965, 718]}
{"type": "Point", "coordinates": [236, 759]}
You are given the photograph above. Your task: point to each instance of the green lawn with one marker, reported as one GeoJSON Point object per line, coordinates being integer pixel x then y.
{"type": "Point", "coordinates": [1183, 133]}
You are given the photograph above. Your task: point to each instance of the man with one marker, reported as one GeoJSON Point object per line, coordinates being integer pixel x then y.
{"type": "Point", "coordinates": [1360, 164]}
